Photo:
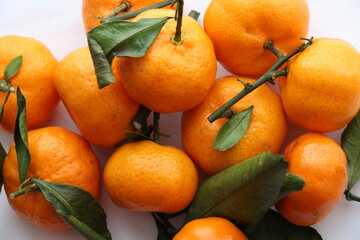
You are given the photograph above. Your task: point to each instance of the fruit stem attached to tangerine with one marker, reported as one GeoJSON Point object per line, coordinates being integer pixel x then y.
{"type": "Point", "coordinates": [269, 76]}
{"type": "Point", "coordinates": [124, 6]}
{"type": "Point", "coordinates": [177, 39]}
{"type": "Point", "coordinates": [23, 190]}
{"type": "Point", "coordinates": [133, 14]}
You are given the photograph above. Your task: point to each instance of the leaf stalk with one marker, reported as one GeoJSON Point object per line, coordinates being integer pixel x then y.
{"type": "Point", "coordinates": [177, 39]}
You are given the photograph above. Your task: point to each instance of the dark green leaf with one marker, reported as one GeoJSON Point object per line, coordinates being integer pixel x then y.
{"type": "Point", "coordinates": [243, 192]}
{"type": "Point", "coordinates": [2, 158]}
{"type": "Point", "coordinates": [2, 107]}
{"type": "Point", "coordinates": [21, 136]}
{"type": "Point", "coordinates": [274, 227]}
{"type": "Point", "coordinates": [77, 207]}
{"type": "Point", "coordinates": [166, 230]}
{"type": "Point", "coordinates": [233, 130]}
{"type": "Point", "coordinates": [12, 68]}
{"type": "Point", "coordinates": [122, 39]}
{"type": "Point", "coordinates": [350, 142]}
{"type": "Point", "coordinates": [292, 183]}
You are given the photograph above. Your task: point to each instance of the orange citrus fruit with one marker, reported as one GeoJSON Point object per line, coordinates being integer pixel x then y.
{"type": "Point", "coordinates": [211, 228]}
{"type": "Point", "coordinates": [266, 131]}
{"type": "Point", "coordinates": [146, 176]}
{"type": "Point", "coordinates": [35, 79]}
{"type": "Point", "coordinates": [240, 28]}
{"type": "Point", "coordinates": [322, 164]}
{"type": "Point", "coordinates": [93, 9]}
{"type": "Point", "coordinates": [57, 155]}
{"type": "Point", "coordinates": [322, 90]}
{"type": "Point", "coordinates": [102, 115]}
{"type": "Point", "coordinates": [171, 77]}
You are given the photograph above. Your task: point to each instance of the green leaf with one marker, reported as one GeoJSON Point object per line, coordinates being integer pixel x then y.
{"type": "Point", "coordinates": [274, 227]}
{"type": "Point", "coordinates": [77, 207]}
{"type": "Point", "coordinates": [233, 130]}
{"type": "Point", "coordinates": [243, 192]}
{"type": "Point", "coordinates": [21, 136]}
{"type": "Point", "coordinates": [2, 107]}
{"type": "Point", "coordinates": [292, 183]}
{"type": "Point", "coordinates": [12, 68]}
{"type": "Point", "coordinates": [123, 39]}
{"type": "Point", "coordinates": [350, 143]}
{"type": "Point", "coordinates": [2, 158]}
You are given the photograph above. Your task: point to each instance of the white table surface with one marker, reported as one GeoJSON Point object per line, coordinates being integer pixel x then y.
{"type": "Point", "coordinates": [58, 24]}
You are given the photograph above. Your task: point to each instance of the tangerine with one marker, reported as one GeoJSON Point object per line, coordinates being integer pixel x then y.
{"type": "Point", "coordinates": [57, 155]}
{"type": "Point", "coordinates": [211, 228]}
{"type": "Point", "coordinates": [240, 28]}
{"type": "Point", "coordinates": [146, 176]}
{"type": "Point", "coordinates": [102, 115]}
{"type": "Point", "coordinates": [92, 10]}
{"type": "Point", "coordinates": [35, 79]}
{"type": "Point", "coordinates": [266, 131]}
{"type": "Point", "coordinates": [322, 164]}
{"type": "Point", "coordinates": [171, 77]}
{"type": "Point", "coordinates": [321, 92]}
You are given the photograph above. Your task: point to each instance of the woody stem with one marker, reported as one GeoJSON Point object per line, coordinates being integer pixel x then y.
{"type": "Point", "coordinates": [133, 14]}
{"type": "Point", "coordinates": [267, 77]}
{"type": "Point", "coordinates": [124, 6]}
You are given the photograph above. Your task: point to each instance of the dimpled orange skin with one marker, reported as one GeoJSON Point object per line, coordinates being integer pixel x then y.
{"type": "Point", "coordinates": [211, 228]}
{"type": "Point", "coordinates": [92, 9]}
{"type": "Point", "coordinates": [266, 132]}
{"type": "Point", "coordinates": [240, 28]}
{"type": "Point", "coordinates": [57, 155]}
{"type": "Point", "coordinates": [35, 79]}
{"type": "Point", "coordinates": [171, 77]}
{"type": "Point", "coordinates": [322, 164]}
{"type": "Point", "coordinates": [322, 90]}
{"type": "Point", "coordinates": [146, 176]}
{"type": "Point", "coordinates": [102, 115]}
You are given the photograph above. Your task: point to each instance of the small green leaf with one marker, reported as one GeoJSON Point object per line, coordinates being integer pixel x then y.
{"type": "Point", "coordinates": [12, 68]}
{"type": "Point", "coordinates": [2, 107]}
{"type": "Point", "coordinates": [2, 158]}
{"type": "Point", "coordinates": [233, 130]}
{"type": "Point", "coordinates": [77, 207]}
{"type": "Point", "coordinates": [292, 183]}
{"type": "Point", "coordinates": [274, 227]}
{"type": "Point", "coordinates": [350, 143]}
{"type": "Point", "coordinates": [21, 136]}
{"type": "Point", "coordinates": [243, 192]}
{"type": "Point", "coordinates": [123, 39]}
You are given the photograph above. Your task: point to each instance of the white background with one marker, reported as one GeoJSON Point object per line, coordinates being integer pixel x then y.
{"type": "Point", "coordinates": [58, 24]}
